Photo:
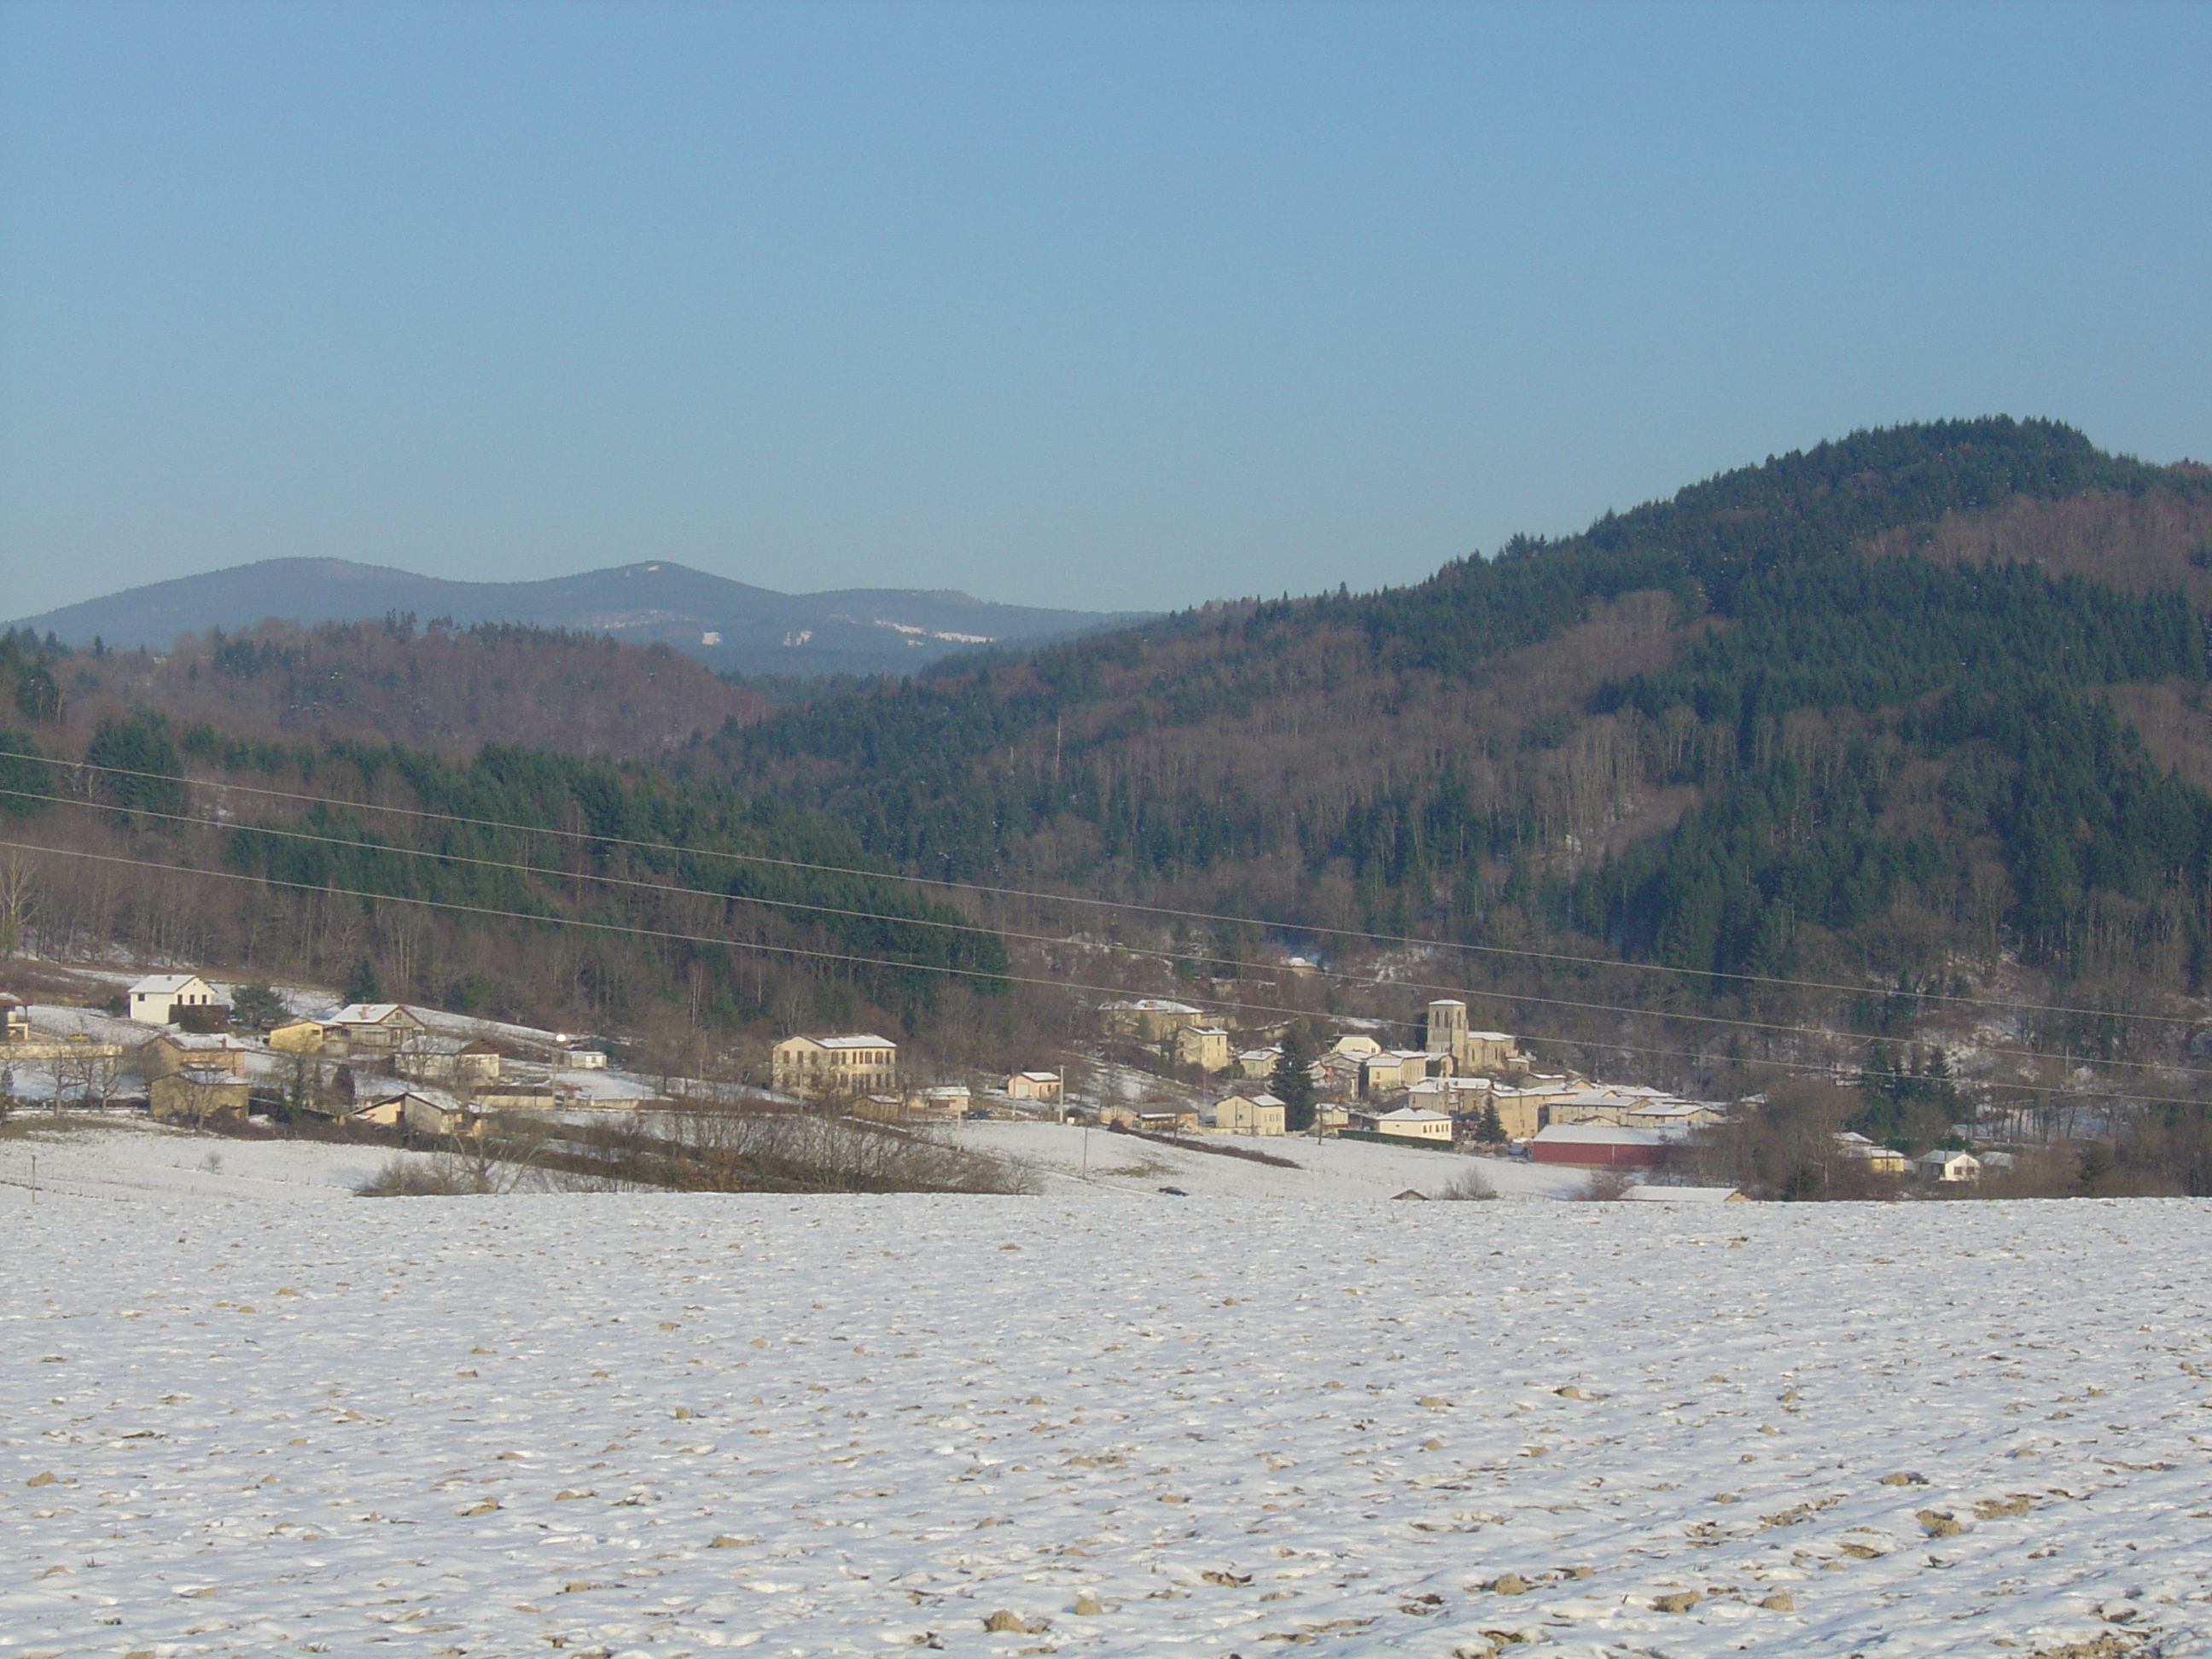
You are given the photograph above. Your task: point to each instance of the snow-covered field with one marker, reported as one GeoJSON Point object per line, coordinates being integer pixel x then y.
{"type": "Point", "coordinates": [241, 1413]}
{"type": "Point", "coordinates": [1067, 1159]}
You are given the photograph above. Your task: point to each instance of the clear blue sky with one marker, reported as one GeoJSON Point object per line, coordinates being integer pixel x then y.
{"type": "Point", "coordinates": [1099, 305]}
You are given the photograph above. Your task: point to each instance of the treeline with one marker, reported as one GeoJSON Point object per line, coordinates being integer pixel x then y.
{"type": "Point", "coordinates": [434, 687]}
{"type": "Point", "coordinates": [1710, 540]}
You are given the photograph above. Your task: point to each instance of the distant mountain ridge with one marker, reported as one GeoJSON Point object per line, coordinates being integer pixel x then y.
{"type": "Point", "coordinates": [728, 625]}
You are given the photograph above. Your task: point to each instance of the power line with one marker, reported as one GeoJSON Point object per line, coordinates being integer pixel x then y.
{"type": "Point", "coordinates": [1768, 1027]}
{"type": "Point", "coordinates": [1039, 896]}
{"type": "Point", "coordinates": [631, 930]}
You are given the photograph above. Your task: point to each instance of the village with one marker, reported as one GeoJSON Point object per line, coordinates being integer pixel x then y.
{"type": "Point", "coordinates": [187, 1050]}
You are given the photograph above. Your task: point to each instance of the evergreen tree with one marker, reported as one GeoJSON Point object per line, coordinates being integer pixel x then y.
{"type": "Point", "coordinates": [1291, 1082]}
{"type": "Point", "coordinates": [360, 985]}
{"type": "Point", "coordinates": [259, 1007]}
{"type": "Point", "coordinates": [1491, 1131]}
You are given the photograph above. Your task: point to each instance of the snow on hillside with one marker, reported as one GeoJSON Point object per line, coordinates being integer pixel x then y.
{"type": "Point", "coordinates": [251, 1418]}
{"type": "Point", "coordinates": [129, 1157]}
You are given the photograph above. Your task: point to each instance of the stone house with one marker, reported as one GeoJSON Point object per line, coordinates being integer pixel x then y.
{"type": "Point", "coordinates": [1943, 1168]}
{"type": "Point", "coordinates": [1337, 1075]}
{"type": "Point", "coordinates": [1871, 1156]}
{"type": "Point", "coordinates": [950, 1101]}
{"type": "Point", "coordinates": [1044, 1086]}
{"type": "Point", "coordinates": [1249, 1115]}
{"type": "Point", "coordinates": [1205, 1047]}
{"type": "Point", "coordinates": [1155, 1116]}
{"type": "Point", "coordinates": [197, 1093]}
{"type": "Point", "coordinates": [1257, 1065]}
{"type": "Point", "coordinates": [1410, 1122]}
{"type": "Point", "coordinates": [1393, 1071]}
{"type": "Point", "coordinates": [172, 1051]}
{"type": "Point", "coordinates": [372, 1028]}
{"type": "Point", "coordinates": [847, 1064]}
{"type": "Point", "coordinates": [296, 1036]}
{"type": "Point", "coordinates": [517, 1097]}
{"type": "Point", "coordinates": [1155, 1019]}
{"type": "Point", "coordinates": [1673, 1115]}
{"type": "Point", "coordinates": [449, 1063]}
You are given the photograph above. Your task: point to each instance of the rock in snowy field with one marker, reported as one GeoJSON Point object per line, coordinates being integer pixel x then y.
{"type": "Point", "coordinates": [1904, 1477]}
{"type": "Point", "coordinates": [1936, 1524]}
{"type": "Point", "coordinates": [1088, 1605]}
{"type": "Point", "coordinates": [1005, 1620]}
{"type": "Point", "coordinates": [1508, 1584]}
{"type": "Point", "coordinates": [1780, 1601]}
{"type": "Point", "coordinates": [1681, 1602]}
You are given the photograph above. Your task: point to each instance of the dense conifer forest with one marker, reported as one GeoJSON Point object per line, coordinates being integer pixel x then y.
{"type": "Point", "coordinates": [433, 878]}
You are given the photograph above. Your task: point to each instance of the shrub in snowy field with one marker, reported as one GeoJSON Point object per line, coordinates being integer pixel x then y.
{"type": "Point", "coordinates": [506, 1161]}
{"type": "Point", "coordinates": [1606, 1186]}
{"type": "Point", "coordinates": [1468, 1186]}
{"type": "Point", "coordinates": [406, 1178]}
{"type": "Point", "coordinates": [796, 1153]}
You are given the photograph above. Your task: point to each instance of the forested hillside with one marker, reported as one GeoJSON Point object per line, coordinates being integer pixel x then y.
{"type": "Point", "coordinates": [462, 883]}
{"type": "Point", "coordinates": [434, 687]}
{"type": "Point", "coordinates": [1919, 706]}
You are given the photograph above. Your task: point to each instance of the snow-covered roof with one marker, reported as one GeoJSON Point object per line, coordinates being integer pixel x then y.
{"type": "Point", "coordinates": [852, 1040]}
{"type": "Point", "coordinates": [165, 985]}
{"type": "Point", "coordinates": [1411, 1114]}
{"type": "Point", "coordinates": [365, 1013]}
{"type": "Point", "coordinates": [1680, 1194]}
{"type": "Point", "coordinates": [377, 1091]}
{"type": "Point", "coordinates": [1040, 1077]}
{"type": "Point", "coordinates": [1492, 1037]}
{"type": "Point", "coordinates": [1155, 1006]}
{"type": "Point", "coordinates": [1598, 1135]}
{"type": "Point", "coordinates": [1257, 1100]}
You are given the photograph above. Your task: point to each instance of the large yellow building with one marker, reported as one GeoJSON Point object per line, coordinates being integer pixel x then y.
{"type": "Point", "coordinates": [853, 1063]}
